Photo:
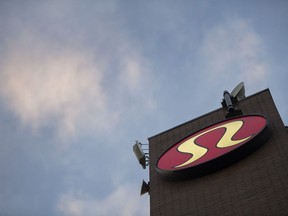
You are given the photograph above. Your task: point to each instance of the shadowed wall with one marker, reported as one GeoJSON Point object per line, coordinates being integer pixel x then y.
{"type": "Point", "coordinates": [256, 185]}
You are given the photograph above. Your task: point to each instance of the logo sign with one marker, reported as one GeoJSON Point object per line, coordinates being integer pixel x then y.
{"type": "Point", "coordinates": [213, 147]}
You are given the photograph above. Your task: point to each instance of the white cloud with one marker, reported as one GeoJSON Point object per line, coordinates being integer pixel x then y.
{"type": "Point", "coordinates": [234, 51]}
{"type": "Point", "coordinates": [44, 83]}
{"type": "Point", "coordinates": [131, 73]}
{"type": "Point", "coordinates": [122, 201]}
{"type": "Point", "coordinates": [47, 83]}
{"type": "Point", "coordinates": [136, 79]}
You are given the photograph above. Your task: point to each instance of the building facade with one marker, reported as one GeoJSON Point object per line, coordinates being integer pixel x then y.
{"type": "Point", "coordinates": [255, 185]}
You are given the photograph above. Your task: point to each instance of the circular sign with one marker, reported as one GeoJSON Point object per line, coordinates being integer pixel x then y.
{"type": "Point", "coordinates": [212, 147]}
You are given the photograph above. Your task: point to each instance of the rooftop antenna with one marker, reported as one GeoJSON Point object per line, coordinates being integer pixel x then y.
{"type": "Point", "coordinates": [142, 157]}
{"type": "Point", "coordinates": [145, 188]}
{"type": "Point", "coordinates": [229, 100]}
{"type": "Point", "coordinates": [239, 92]}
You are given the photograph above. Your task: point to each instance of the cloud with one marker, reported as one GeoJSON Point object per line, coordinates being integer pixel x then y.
{"type": "Point", "coordinates": [135, 77]}
{"type": "Point", "coordinates": [71, 74]}
{"type": "Point", "coordinates": [47, 83]}
{"type": "Point", "coordinates": [234, 51]}
{"type": "Point", "coordinates": [119, 202]}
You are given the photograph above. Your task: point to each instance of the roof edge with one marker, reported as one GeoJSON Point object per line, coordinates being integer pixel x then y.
{"type": "Point", "coordinates": [267, 89]}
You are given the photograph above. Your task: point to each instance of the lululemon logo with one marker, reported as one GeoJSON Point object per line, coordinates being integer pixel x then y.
{"type": "Point", "coordinates": [211, 143]}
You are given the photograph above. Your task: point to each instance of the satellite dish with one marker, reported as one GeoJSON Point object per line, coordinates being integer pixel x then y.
{"type": "Point", "coordinates": [145, 188]}
{"type": "Point", "coordinates": [239, 92]}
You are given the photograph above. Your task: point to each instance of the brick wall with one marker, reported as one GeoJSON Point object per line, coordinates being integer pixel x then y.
{"type": "Point", "coordinates": [256, 185]}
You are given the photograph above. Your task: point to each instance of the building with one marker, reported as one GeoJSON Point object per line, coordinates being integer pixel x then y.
{"type": "Point", "coordinates": [255, 185]}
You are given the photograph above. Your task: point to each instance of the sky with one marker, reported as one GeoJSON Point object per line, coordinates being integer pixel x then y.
{"type": "Point", "coordinates": [80, 81]}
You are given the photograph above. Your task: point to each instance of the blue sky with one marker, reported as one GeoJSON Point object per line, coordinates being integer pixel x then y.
{"type": "Point", "coordinates": [80, 81]}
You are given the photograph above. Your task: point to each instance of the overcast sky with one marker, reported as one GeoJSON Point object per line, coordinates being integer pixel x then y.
{"type": "Point", "coordinates": [80, 81]}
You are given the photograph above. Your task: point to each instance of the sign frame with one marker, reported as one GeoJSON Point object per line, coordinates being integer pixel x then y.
{"type": "Point", "coordinates": [214, 164]}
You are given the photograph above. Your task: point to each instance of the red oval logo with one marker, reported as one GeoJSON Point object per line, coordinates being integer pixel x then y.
{"type": "Point", "coordinates": [211, 143]}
